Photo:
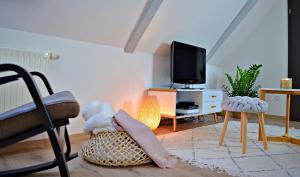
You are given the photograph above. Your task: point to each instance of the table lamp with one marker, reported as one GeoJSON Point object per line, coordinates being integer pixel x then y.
{"type": "Point", "coordinates": [150, 112]}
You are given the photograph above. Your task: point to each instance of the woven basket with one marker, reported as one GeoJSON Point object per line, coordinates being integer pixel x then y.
{"type": "Point", "coordinates": [114, 149]}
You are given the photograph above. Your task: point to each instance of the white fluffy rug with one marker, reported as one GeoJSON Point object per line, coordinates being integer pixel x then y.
{"type": "Point", "coordinates": [199, 146]}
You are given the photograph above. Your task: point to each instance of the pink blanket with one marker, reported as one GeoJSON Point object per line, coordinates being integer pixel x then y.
{"type": "Point", "coordinates": [146, 139]}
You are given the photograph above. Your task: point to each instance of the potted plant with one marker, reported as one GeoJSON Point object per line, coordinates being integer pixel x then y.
{"type": "Point", "coordinates": [243, 83]}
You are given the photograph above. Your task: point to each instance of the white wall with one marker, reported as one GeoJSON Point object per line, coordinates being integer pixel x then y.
{"type": "Point", "coordinates": [90, 71]}
{"type": "Point", "coordinates": [108, 74]}
{"type": "Point", "coordinates": [161, 74]}
{"type": "Point", "coordinates": [197, 22]}
{"type": "Point", "coordinates": [266, 45]}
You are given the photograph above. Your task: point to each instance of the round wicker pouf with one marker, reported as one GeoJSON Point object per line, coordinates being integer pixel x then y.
{"type": "Point", "coordinates": [114, 149]}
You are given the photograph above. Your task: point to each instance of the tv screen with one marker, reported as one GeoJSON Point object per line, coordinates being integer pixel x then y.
{"type": "Point", "coordinates": [188, 63]}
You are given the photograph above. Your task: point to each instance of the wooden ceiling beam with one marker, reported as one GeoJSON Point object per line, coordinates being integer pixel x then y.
{"type": "Point", "coordinates": [232, 26]}
{"type": "Point", "coordinates": [150, 9]}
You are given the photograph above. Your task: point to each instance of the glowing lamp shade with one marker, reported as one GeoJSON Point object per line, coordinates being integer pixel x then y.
{"type": "Point", "coordinates": [150, 112]}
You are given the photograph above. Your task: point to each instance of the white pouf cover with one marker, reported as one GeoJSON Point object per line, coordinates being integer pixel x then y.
{"type": "Point", "coordinates": [244, 104]}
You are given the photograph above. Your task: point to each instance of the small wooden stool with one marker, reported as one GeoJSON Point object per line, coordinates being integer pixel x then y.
{"type": "Point", "coordinates": [243, 133]}
{"type": "Point", "coordinates": [244, 105]}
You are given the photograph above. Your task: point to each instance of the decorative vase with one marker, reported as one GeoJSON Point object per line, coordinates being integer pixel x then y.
{"type": "Point", "coordinates": [286, 83]}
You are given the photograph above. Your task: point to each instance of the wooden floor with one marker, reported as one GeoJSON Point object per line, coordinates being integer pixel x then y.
{"type": "Point", "coordinates": [29, 153]}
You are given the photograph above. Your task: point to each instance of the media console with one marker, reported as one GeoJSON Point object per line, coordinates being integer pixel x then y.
{"type": "Point", "coordinates": [208, 100]}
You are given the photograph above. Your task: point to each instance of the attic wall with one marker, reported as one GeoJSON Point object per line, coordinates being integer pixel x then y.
{"type": "Point", "coordinates": [266, 45]}
{"type": "Point", "coordinates": [90, 71]}
{"type": "Point", "coordinates": [161, 74]}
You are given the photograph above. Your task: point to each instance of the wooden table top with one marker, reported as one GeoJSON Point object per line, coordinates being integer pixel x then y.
{"type": "Point", "coordinates": [280, 91]}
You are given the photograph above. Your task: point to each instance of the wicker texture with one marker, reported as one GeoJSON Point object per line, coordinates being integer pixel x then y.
{"type": "Point", "coordinates": [114, 149]}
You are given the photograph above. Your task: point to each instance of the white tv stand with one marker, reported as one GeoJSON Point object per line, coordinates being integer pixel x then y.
{"type": "Point", "coordinates": [208, 100]}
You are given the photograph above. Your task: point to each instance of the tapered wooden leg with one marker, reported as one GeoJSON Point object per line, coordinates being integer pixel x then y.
{"type": "Point", "coordinates": [174, 124]}
{"type": "Point", "coordinates": [244, 133]}
{"type": "Point", "coordinates": [216, 117]}
{"type": "Point", "coordinates": [287, 120]}
{"type": "Point", "coordinates": [262, 96]}
{"type": "Point", "coordinates": [262, 129]}
{"type": "Point", "coordinates": [227, 117]}
{"type": "Point", "coordinates": [259, 133]}
{"type": "Point", "coordinates": [241, 130]}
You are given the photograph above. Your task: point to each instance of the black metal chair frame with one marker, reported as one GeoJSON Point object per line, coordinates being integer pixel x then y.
{"type": "Point", "coordinates": [49, 126]}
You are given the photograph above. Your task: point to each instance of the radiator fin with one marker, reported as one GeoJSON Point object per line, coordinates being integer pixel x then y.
{"type": "Point", "coordinates": [16, 93]}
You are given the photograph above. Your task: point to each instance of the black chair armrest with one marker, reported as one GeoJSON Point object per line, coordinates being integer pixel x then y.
{"type": "Point", "coordinates": [7, 79]}
{"type": "Point", "coordinates": [45, 81]}
{"type": "Point", "coordinates": [34, 91]}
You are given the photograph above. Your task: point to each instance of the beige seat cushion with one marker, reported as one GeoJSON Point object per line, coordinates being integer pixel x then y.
{"type": "Point", "coordinates": [60, 105]}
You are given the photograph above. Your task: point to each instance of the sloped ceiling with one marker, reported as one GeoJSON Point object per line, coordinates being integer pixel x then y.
{"type": "Point", "coordinates": [110, 22]}
{"type": "Point", "coordinates": [106, 22]}
{"type": "Point", "coordinates": [242, 32]}
{"type": "Point", "coordinates": [198, 22]}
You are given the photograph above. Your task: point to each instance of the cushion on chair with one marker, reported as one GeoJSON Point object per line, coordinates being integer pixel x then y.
{"type": "Point", "coordinates": [244, 104]}
{"type": "Point", "coordinates": [60, 105]}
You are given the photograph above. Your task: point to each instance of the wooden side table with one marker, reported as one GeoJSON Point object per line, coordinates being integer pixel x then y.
{"type": "Point", "coordinates": [288, 93]}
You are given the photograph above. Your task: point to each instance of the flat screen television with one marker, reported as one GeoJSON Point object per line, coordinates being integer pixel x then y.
{"type": "Point", "coordinates": [188, 64]}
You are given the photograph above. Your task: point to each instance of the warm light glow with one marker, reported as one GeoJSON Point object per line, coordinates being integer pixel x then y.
{"type": "Point", "coordinates": [167, 102]}
{"type": "Point", "coordinates": [150, 112]}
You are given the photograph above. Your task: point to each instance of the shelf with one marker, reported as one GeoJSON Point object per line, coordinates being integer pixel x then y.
{"type": "Point", "coordinates": [188, 115]}
{"type": "Point", "coordinates": [190, 90]}
{"type": "Point", "coordinates": [184, 116]}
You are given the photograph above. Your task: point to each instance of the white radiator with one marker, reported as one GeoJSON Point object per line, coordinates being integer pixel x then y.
{"type": "Point", "coordinates": [16, 93]}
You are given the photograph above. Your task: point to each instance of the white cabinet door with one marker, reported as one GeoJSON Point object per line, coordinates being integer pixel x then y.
{"type": "Point", "coordinates": [212, 96]}
{"type": "Point", "coordinates": [212, 107]}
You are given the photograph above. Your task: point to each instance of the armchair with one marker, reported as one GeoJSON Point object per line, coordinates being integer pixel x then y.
{"type": "Point", "coordinates": [47, 114]}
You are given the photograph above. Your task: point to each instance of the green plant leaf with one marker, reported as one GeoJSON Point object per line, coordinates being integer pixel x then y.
{"type": "Point", "coordinates": [244, 82]}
